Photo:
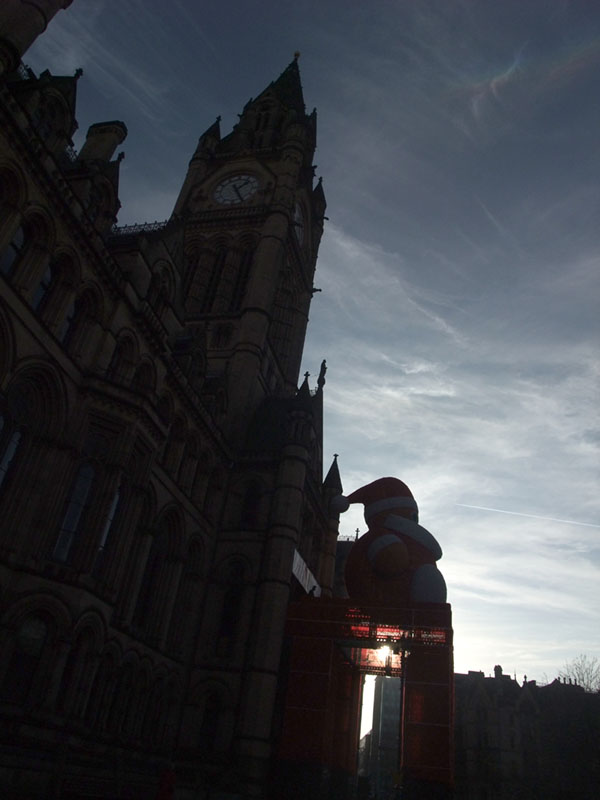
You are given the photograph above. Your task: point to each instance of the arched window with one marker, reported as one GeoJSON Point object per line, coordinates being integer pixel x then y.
{"type": "Point", "coordinates": [67, 323]}
{"type": "Point", "coordinates": [77, 675]}
{"type": "Point", "coordinates": [143, 379]}
{"type": "Point", "coordinates": [27, 254]}
{"type": "Point", "coordinates": [152, 712]}
{"type": "Point", "coordinates": [10, 439]}
{"type": "Point", "coordinates": [13, 251]}
{"type": "Point", "coordinates": [121, 700]}
{"type": "Point", "coordinates": [189, 465]}
{"type": "Point", "coordinates": [100, 696]}
{"type": "Point", "coordinates": [43, 288]}
{"type": "Point", "coordinates": [164, 407]}
{"type": "Point", "coordinates": [52, 293]}
{"type": "Point", "coordinates": [209, 727]}
{"type": "Point", "coordinates": [133, 722]}
{"type": "Point", "coordinates": [122, 362]}
{"type": "Point", "coordinates": [213, 495]}
{"type": "Point", "coordinates": [25, 659]}
{"type": "Point", "coordinates": [213, 281]}
{"type": "Point", "coordinates": [221, 336]}
{"type": "Point", "coordinates": [186, 606]}
{"type": "Point", "coordinates": [282, 320]}
{"type": "Point", "coordinates": [79, 323]}
{"type": "Point", "coordinates": [150, 585]}
{"type": "Point", "coordinates": [108, 530]}
{"type": "Point", "coordinates": [160, 292]}
{"type": "Point", "coordinates": [73, 517]}
{"type": "Point", "coordinates": [175, 446]}
{"type": "Point", "coordinates": [241, 282]}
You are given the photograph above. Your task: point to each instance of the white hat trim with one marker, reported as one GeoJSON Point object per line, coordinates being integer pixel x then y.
{"type": "Point", "coordinates": [388, 503]}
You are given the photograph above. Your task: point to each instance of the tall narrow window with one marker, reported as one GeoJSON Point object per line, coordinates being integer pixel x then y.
{"type": "Point", "coordinates": [43, 288]}
{"type": "Point", "coordinates": [143, 379]}
{"type": "Point", "coordinates": [281, 325]}
{"type": "Point", "coordinates": [9, 442]}
{"type": "Point", "coordinates": [241, 283]}
{"type": "Point", "coordinates": [105, 536]}
{"type": "Point", "coordinates": [10, 256]}
{"type": "Point", "coordinates": [122, 362]}
{"type": "Point", "coordinates": [209, 727]}
{"type": "Point", "coordinates": [67, 324]}
{"type": "Point", "coordinates": [72, 519]}
{"type": "Point", "coordinates": [213, 282]}
{"type": "Point", "coordinates": [148, 600]}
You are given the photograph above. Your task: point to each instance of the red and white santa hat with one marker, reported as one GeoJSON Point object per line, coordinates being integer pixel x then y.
{"type": "Point", "coordinates": [384, 494]}
{"type": "Point", "coordinates": [391, 494]}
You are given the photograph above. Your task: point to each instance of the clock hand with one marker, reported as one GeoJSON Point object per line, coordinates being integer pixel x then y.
{"type": "Point", "coordinates": [237, 191]}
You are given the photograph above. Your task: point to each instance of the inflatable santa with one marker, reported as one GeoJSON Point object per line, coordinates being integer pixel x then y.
{"type": "Point", "coordinates": [394, 562]}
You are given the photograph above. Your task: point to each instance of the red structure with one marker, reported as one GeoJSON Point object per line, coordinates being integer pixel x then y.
{"type": "Point", "coordinates": [331, 645]}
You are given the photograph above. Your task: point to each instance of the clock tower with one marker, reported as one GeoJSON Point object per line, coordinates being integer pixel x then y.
{"type": "Point", "coordinates": [253, 221]}
{"type": "Point", "coordinates": [252, 215]}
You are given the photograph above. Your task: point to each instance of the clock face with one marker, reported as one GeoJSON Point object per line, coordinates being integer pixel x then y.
{"type": "Point", "coordinates": [299, 223]}
{"type": "Point", "coordinates": [236, 189]}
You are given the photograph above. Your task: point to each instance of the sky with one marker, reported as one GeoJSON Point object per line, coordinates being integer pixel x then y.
{"type": "Point", "coordinates": [459, 149]}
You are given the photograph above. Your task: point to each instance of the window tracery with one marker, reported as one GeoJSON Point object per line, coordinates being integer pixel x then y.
{"type": "Point", "coordinates": [107, 532]}
{"type": "Point", "coordinates": [14, 251]}
{"type": "Point", "coordinates": [123, 360]}
{"type": "Point", "coordinates": [10, 439]}
{"type": "Point", "coordinates": [77, 504]}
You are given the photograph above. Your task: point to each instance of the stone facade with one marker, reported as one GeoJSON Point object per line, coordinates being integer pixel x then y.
{"type": "Point", "coordinates": [525, 741]}
{"type": "Point", "coordinates": [161, 492]}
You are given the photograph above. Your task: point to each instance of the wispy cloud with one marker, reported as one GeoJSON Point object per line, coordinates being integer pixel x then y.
{"type": "Point", "coordinates": [531, 516]}
{"type": "Point", "coordinates": [459, 270]}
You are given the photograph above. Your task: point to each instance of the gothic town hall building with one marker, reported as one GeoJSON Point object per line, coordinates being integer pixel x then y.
{"type": "Point", "coordinates": [161, 492]}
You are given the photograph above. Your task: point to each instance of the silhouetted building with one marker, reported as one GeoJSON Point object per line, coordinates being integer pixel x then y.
{"type": "Point", "coordinates": [161, 493]}
{"type": "Point", "coordinates": [385, 736]}
{"type": "Point", "coordinates": [511, 741]}
{"type": "Point", "coordinates": [525, 741]}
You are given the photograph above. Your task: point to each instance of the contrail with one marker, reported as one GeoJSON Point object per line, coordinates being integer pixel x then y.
{"type": "Point", "coordinates": [531, 516]}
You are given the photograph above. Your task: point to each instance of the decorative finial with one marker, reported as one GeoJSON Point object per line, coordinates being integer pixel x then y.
{"type": "Point", "coordinates": [321, 379]}
{"type": "Point", "coordinates": [306, 376]}
{"type": "Point", "coordinates": [296, 55]}
{"type": "Point", "coordinates": [218, 118]}
{"type": "Point", "coordinates": [357, 532]}
{"type": "Point", "coordinates": [78, 73]}
{"type": "Point", "coordinates": [336, 455]}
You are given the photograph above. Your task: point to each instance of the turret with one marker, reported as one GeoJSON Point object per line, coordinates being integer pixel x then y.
{"type": "Point", "coordinates": [21, 22]}
{"type": "Point", "coordinates": [50, 102]}
{"type": "Point", "coordinates": [102, 140]}
{"type": "Point", "coordinates": [95, 178]}
{"type": "Point", "coordinates": [207, 143]}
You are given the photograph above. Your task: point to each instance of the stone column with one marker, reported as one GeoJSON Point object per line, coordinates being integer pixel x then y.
{"type": "Point", "coordinates": [268, 622]}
